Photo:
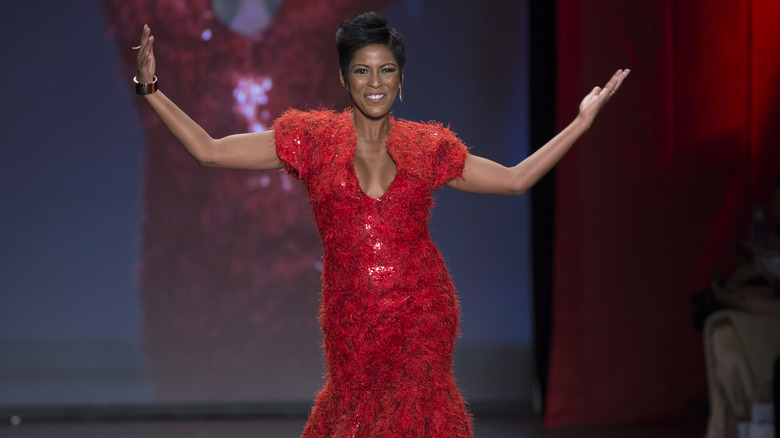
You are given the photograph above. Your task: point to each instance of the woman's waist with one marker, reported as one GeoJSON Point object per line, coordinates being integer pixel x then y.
{"type": "Point", "coordinates": [382, 260]}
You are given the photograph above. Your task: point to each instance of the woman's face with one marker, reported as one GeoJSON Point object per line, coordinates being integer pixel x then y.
{"type": "Point", "coordinates": [373, 80]}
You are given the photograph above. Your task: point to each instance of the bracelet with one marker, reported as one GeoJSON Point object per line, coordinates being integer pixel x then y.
{"type": "Point", "coordinates": [144, 89]}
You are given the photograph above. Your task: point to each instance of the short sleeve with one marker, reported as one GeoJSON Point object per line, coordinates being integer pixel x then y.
{"type": "Point", "coordinates": [450, 157]}
{"type": "Point", "coordinates": [294, 142]}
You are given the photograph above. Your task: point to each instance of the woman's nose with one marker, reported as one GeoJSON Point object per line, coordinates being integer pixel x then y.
{"type": "Point", "coordinates": [374, 80]}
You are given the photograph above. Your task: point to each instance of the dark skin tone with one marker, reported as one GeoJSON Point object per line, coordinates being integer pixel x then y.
{"type": "Point", "coordinates": [374, 82]}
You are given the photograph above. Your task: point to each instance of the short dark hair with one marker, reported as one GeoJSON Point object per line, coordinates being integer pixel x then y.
{"type": "Point", "coordinates": [364, 30]}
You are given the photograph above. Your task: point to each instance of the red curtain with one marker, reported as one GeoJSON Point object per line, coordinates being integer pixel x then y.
{"type": "Point", "coordinates": [649, 199]}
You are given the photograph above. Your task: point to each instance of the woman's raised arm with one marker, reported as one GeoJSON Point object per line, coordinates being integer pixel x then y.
{"type": "Point", "coordinates": [256, 151]}
{"type": "Point", "coordinates": [481, 175]}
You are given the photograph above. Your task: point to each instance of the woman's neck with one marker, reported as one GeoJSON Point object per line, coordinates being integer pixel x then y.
{"type": "Point", "coordinates": [371, 129]}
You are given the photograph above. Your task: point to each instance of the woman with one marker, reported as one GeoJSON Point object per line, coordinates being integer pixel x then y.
{"type": "Point", "coordinates": [389, 314]}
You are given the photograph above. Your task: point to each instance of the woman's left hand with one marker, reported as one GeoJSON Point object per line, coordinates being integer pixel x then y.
{"type": "Point", "coordinates": [599, 96]}
{"type": "Point", "coordinates": [146, 63]}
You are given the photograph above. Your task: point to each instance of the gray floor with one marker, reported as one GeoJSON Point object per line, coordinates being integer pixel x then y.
{"type": "Point", "coordinates": [527, 427]}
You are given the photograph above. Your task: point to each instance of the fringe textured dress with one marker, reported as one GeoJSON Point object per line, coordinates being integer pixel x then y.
{"type": "Point", "coordinates": [389, 314]}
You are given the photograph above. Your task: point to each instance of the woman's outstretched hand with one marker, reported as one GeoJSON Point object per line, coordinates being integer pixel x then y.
{"type": "Point", "coordinates": [146, 64]}
{"type": "Point", "coordinates": [599, 96]}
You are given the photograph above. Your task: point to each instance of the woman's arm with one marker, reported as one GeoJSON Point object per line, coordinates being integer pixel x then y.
{"type": "Point", "coordinates": [481, 175]}
{"type": "Point", "coordinates": [255, 151]}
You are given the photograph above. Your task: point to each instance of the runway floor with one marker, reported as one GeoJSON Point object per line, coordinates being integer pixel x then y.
{"type": "Point", "coordinates": [525, 427]}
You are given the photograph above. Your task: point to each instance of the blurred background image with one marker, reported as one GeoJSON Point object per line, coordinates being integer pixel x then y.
{"type": "Point", "coordinates": [134, 275]}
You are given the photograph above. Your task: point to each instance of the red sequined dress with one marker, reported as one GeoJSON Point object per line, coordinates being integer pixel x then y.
{"type": "Point", "coordinates": [389, 313]}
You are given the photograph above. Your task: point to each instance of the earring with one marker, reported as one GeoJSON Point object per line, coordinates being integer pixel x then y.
{"type": "Point", "coordinates": [401, 93]}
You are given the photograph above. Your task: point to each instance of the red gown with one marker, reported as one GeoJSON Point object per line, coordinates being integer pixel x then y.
{"type": "Point", "coordinates": [389, 313]}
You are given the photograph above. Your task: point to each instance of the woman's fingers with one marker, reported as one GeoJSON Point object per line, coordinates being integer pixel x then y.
{"type": "Point", "coordinates": [141, 47]}
{"type": "Point", "coordinates": [144, 38]}
{"type": "Point", "coordinates": [612, 85]}
{"type": "Point", "coordinates": [598, 96]}
{"type": "Point", "coordinates": [145, 57]}
{"type": "Point", "coordinates": [616, 80]}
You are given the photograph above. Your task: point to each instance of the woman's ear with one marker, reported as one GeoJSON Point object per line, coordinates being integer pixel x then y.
{"type": "Point", "coordinates": [341, 79]}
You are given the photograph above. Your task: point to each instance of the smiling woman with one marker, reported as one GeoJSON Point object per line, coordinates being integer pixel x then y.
{"type": "Point", "coordinates": [373, 82]}
{"type": "Point", "coordinates": [389, 313]}
{"type": "Point", "coordinates": [371, 57]}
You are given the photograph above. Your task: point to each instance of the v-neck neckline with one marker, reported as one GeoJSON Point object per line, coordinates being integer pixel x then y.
{"type": "Point", "coordinates": [353, 152]}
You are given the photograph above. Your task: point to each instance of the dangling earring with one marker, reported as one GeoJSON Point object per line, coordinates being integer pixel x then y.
{"type": "Point", "coordinates": [401, 93]}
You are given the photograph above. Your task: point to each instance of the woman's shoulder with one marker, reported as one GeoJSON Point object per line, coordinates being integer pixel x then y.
{"type": "Point", "coordinates": [425, 134]}
{"type": "Point", "coordinates": [311, 119]}
{"type": "Point", "coordinates": [428, 149]}
{"type": "Point", "coordinates": [430, 129]}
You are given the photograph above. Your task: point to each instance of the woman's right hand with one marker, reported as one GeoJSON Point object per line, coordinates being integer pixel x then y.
{"type": "Point", "coordinates": [146, 64]}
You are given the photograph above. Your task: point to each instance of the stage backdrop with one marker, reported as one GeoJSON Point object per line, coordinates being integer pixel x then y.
{"type": "Point", "coordinates": [131, 274]}
{"type": "Point", "coordinates": [649, 200]}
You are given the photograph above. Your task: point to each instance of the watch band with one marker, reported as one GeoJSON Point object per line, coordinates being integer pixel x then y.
{"type": "Point", "coordinates": [144, 89]}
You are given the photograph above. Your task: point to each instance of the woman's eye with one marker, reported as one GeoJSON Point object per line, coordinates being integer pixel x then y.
{"type": "Point", "coordinates": [388, 70]}
{"type": "Point", "coordinates": [361, 71]}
